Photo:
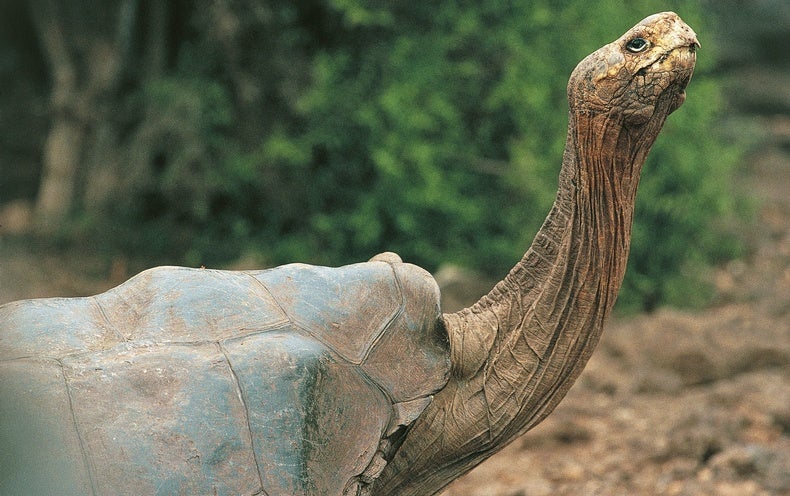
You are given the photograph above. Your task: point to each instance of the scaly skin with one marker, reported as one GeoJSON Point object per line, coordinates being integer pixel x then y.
{"type": "Point", "coordinates": [517, 351]}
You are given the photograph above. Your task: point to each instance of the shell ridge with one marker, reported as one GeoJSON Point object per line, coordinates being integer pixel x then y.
{"type": "Point", "coordinates": [393, 318]}
{"type": "Point", "coordinates": [85, 458]}
{"type": "Point", "coordinates": [259, 284]}
{"type": "Point", "coordinates": [370, 380]}
{"type": "Point", "coordinates": [242, 398]}
{"type": "Point", "coordinates": [303, 330]}
{"type": "Point", "coordinates": [106, 319]}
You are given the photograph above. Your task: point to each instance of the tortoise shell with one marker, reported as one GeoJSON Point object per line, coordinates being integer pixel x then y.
{"type": "Point", "coordinates": [293, 380]}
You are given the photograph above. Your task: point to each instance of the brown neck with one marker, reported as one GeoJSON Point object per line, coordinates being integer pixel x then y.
{"type": "Point", "coordinates": [558, 295]}
{"type": "Point", "coordinates": [517, 351]}
{"type": "Point", "coordinates": [549, 310]}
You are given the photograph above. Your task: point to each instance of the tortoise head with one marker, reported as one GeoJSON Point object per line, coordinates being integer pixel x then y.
{"type": "Point", "coordinates": [642, 73]}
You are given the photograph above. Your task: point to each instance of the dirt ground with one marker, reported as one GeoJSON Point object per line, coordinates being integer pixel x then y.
{"type": "Point", "coordinates": [671, 403]}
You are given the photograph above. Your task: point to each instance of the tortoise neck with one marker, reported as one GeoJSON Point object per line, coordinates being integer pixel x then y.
{"type": "Point", "coordinates": [558, 295]}
{"type": "Point", "coordinates": [528, 340]}
{"type": "Point", "coordinates": [518, 350]}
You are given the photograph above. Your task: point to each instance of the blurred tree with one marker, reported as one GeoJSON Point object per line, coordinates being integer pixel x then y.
{"type": "Point", "coordinates": [85, 48]}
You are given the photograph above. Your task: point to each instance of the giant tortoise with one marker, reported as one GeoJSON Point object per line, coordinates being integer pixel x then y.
{"type": "Point", "coordinates": [338, 381]}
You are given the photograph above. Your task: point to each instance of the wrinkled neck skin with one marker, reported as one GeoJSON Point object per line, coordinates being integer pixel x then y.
{"type": "Point", "coordinates": [518, 350]}
{"type": "Point", "coordinates": [554, 301]}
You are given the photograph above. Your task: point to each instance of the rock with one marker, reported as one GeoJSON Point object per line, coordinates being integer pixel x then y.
{"type": "Point", "coordinates": [739, 462]}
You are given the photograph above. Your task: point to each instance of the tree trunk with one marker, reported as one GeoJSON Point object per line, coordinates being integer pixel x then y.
{"type": "Point", "coordinates": [63, 147]}
{"type": "Point", "coordinates": [62, 154]}
{"type": "Point", "coordinates": [108, 57]}
{"type": "Point", "coordinates": [86, 68]}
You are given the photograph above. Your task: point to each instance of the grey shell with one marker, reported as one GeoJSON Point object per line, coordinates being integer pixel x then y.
{"type": "Point", "coordinates": [293, 380]}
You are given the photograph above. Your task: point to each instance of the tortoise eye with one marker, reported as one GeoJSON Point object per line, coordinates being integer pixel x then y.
{"type": "Point", "coordinates": [637, 45]}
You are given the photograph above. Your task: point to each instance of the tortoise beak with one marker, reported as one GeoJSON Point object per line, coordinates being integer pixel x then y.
{"type": "Point", "coordinates": [695, 45]}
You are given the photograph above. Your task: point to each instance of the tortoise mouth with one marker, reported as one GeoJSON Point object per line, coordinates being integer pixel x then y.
{"type": "Point", "coordinates": [679, 60]}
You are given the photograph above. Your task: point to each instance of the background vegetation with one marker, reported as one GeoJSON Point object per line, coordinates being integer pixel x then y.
{"type": "Point", "coordinates": [330, 130]}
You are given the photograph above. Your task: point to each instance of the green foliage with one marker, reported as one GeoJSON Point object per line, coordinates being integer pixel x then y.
{"type": "Point", "coordinates": [432, 129]}
{"type": "Point", "coordinates": [184, 149]}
